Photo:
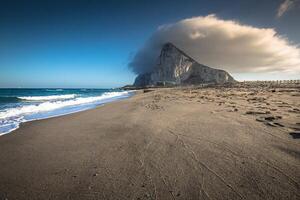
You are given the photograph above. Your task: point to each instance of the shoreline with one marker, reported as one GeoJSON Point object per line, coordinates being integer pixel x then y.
{"type": "Point", "coordinates": [50, 117]}
{"type": "Point", "coordinates": [178, 143]}
{"type": "Point", "coordinates": [70, 112]}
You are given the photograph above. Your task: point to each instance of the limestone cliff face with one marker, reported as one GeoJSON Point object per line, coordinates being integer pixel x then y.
{"type": "Point", "coordinates": [174, 67]}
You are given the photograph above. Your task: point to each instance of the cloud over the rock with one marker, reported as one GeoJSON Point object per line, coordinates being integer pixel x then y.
{"type": "Point", "coordinates": [222, 44]}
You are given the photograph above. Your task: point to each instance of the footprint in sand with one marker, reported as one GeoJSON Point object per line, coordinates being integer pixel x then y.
{"type": "Point", "coordinates": [295, 134]}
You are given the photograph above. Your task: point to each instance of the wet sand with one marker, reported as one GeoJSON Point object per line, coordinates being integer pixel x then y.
{"type": "Point", "coordinates": [208, 143]}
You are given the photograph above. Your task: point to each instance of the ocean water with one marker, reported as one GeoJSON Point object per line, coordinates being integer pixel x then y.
{"type": "Point", "coordinates": [22, 105]}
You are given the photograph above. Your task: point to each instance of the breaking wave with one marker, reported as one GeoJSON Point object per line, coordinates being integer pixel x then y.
{"type": "Point", "coordinates": [45, 98]}
{"type": "Point", "coordinates": [50, 106]}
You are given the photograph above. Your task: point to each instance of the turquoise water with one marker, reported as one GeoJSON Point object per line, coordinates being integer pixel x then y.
{"type": "Point", "coordinates": [21, 105]}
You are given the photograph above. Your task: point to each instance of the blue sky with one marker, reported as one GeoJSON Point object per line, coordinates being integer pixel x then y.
{"type": "Point", "coordinates": [90, 43]}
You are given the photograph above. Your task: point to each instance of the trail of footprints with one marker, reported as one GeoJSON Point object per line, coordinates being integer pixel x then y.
{"type": "Point", "coordinates": [278, 108]}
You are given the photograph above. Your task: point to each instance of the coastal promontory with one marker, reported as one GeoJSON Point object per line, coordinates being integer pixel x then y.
{"type": "Point", "coordinates": [175, 67]}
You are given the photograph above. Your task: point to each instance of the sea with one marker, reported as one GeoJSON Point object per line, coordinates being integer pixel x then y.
{"type": "Point", "coordinates": [22, 105]}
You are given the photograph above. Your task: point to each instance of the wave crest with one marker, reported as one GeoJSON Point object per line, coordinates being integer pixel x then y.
{"type": "Point", "coordinates": [47, 98]}
{"type": "Point", "coordinates": [53, 105]}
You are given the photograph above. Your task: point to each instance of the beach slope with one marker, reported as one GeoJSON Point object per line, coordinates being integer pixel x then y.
{"type": "Point", "coordinates": [163, 144]}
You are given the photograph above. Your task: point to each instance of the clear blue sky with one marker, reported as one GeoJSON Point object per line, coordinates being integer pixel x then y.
{"type": "Point", "coordinates": [88, 43]}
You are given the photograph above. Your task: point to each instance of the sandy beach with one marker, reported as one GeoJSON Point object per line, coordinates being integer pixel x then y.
{"type": "Point", "coordinates": [180, 143]}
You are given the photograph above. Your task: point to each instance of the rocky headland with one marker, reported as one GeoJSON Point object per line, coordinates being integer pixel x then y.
{"type": "Point", "coordinates": [175, 68]}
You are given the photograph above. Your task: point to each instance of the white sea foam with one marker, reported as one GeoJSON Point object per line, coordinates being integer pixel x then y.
{"type": "Point", "coordinates": [46, 98]}
{"type": "Point", "coordinates": [52, 105]}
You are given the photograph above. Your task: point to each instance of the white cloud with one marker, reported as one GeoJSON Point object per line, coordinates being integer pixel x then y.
{"type": "Point", "coordinates": [285, 6]}
{"type": "Point", "coordinates": [222, 44]}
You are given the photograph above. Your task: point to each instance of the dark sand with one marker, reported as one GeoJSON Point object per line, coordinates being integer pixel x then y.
{"type": "Point", "coordinates": [165, 144]}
